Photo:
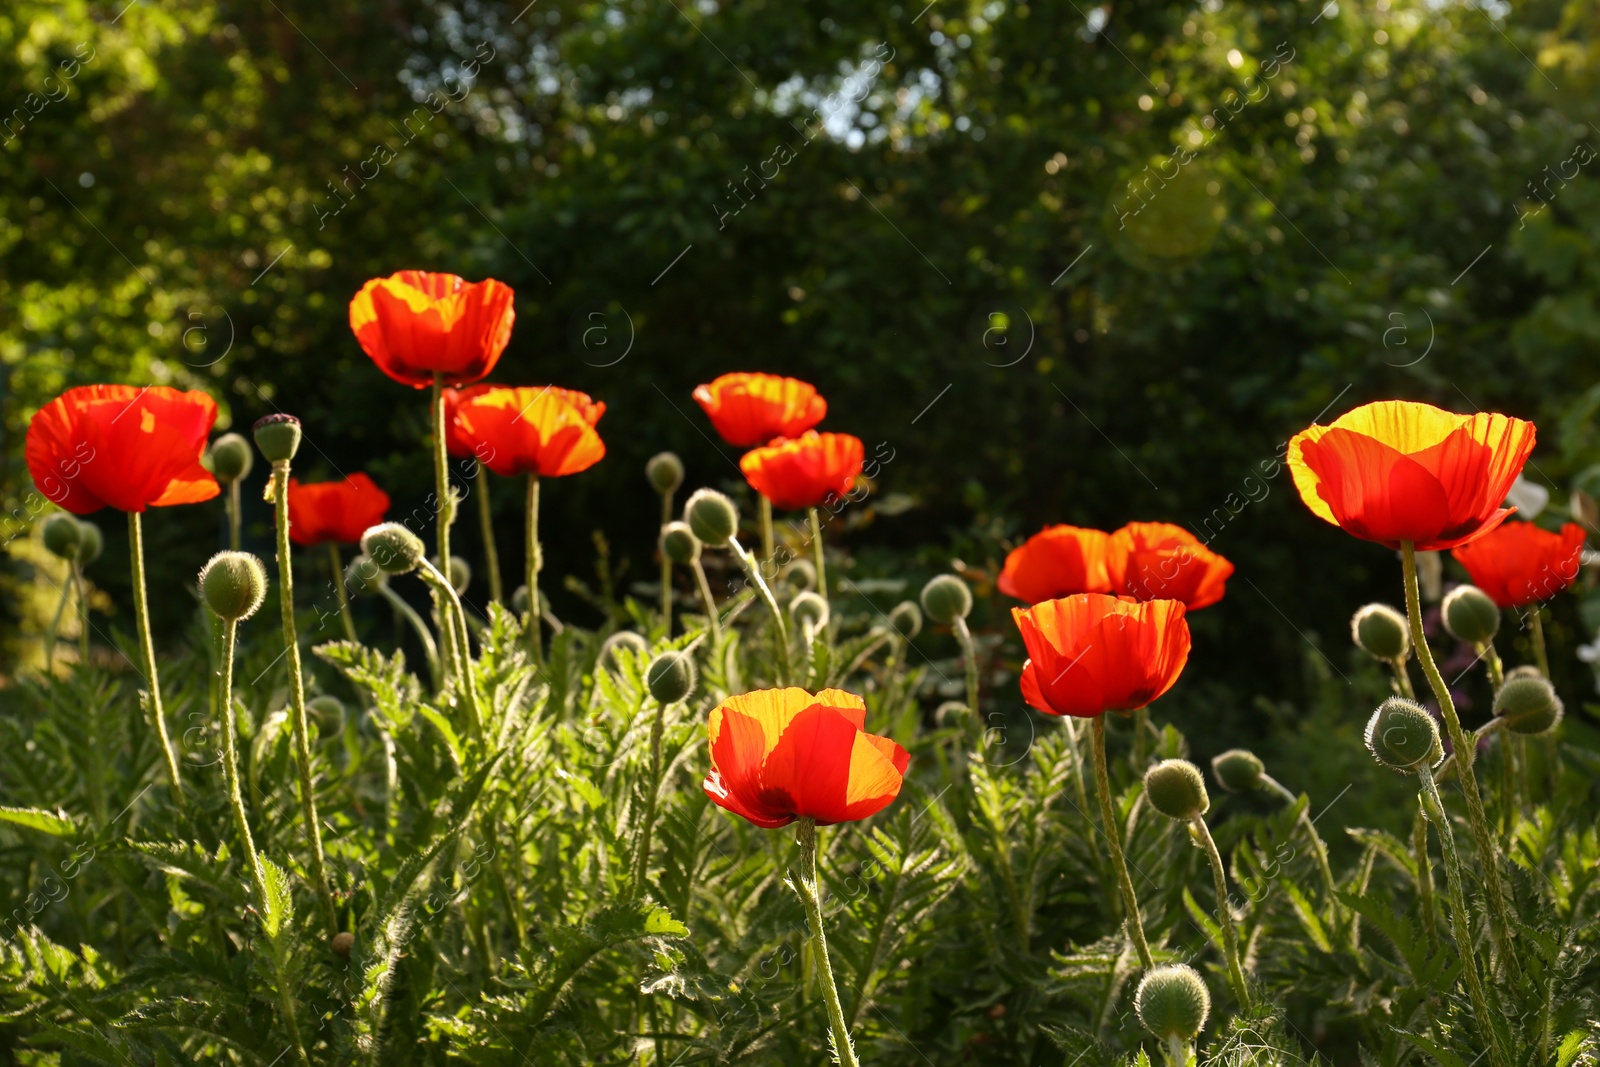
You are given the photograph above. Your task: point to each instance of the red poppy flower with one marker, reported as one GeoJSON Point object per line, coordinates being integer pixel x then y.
{"type": "Point", "coordinates": [778, 755]}
{"type": "Point", "coordinates": [416, 323]}
{"type": "Point", "coordinates": [1520, 564]}
{"type": "Point", "coordinates": [1055, 562]}
{"type": "Point", "coordinates": [1160, 561]}
{"type": "Point", "coordinates": [456, 442]}
{"type": "Point", "coordinates": [334, 511]}
{"type": "Point", "coordinates": [118, 446]}
{"type": "Point", "coordinates": [751, 409]}
{"type": "Point", "coordinates": [1401, 471]}
{"type": "Point", "coordinates": [1092, 653]}
{"type": "Point", "coordinates": [805, 471]}
{"type": "Point", "coordinates": [532, 430]}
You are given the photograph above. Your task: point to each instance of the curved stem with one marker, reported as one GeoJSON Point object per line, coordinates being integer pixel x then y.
{"type": "Point", "coordinates": [969, 653]}
{"type": "Point", "coordinates": [535, 559]}
{"type": "Point", "coordinates": [1130, 902]}
{"type": "Point", "coordinates": [1403, 678]}
{"type": "Point", "coordinates": [753, 569]}
{"type": "Point", "coordinates": [441, 473]}
{"type": "Point", "coordinates": [297, 697]}
{"type": "Point", "coordinates": [345, 616]}
{"type": "Point", "coordinates": [429, 648]}
{"type": "Point", "coordinates": [141, 615]}
{"type": "Point", "coordinates": [233, 514]}
{"type": "Point", "coordinates": [768, 545]}
{"type": "Point", "coordinates": [666, 568]}
{"type": "Point", "coordinates": [1488, 852]}
{"type": "Point", "coordinates": [713, 620]}
{"type": "Point", "coordinates": [1497, 674]}
{"type": "Point", "coordinates": [456, 615]}
{"type": "Point", "coordinates": [805, 884]}
{"type": "Point", "coordinates": [491, 552]}
{"type": "Point", "coordinates": [641, 864]}
{"type": "Point", "coordinates": [1230, 936]}
{"type": "Point", "coordinates": [1536, 624]}
{"type": "Point", "coordinates": [817, 553]}
{"type": "Point", "coordinates": [1419, 852]}
{"type": "Point", "coordinates": [1433, 805]}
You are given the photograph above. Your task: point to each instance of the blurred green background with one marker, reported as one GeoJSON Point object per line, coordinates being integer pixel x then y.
{"type": "Point", "coordinates": [1069, 261]}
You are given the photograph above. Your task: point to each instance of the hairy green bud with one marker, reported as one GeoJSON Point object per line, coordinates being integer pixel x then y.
{"type": "Point", "coordinates": [278, 437]}
{"type": "Point", "coordinates": [665, 472]}
{"type": "Point", "coordinates": [621, 641]}
{"type": "Point", "coordinates": [1470, 615]}
{"type": "Point", "coordinates": [1528, 705]}
{"type": "Point", "coordinates": [1403, 736]}
{"type": "Point", "coordinates": [1172, 1001]}
{"type": "Point", "coordinates": [1237, 770]}
{"type": "Point", "coordinates": [679, 544]}
{"type": "Point", "coordinates": [395, 549]}
{"type": "Point", "coordinates": [62, 535]}
{"type": "Point", "coordinates": [233, 584]}
{"type": "Point", "coordinates": [231, 458]}
{"type": "Point", "coordinates": [946, 598]}
{"type": "Point", "coordinates": [90, 542]}
{"type": "Point", "coordinates": [670, 676]}
{"type": "Point", "coordinates": [906, 618]}
{"type": "Point", "coordinates": [712, 516]}
{"type": "Point", "coordinates": [1381, 632]}
{"type": "Point", "coordinates": [1176, 789]}
{"type": "Point", "coordinates": [809, 608]}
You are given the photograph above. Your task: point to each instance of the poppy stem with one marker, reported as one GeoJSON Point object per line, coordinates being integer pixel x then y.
{"type": "Point", "coordinates": [491, 553]}
{"type": "Point", "coordinates": [233, 514]}
{"type": "Point", "coordinates": [1230, 936]}
{"type": "Point", "coordinates": [83, 611]}
{"type": "Point", "coordinates": [1499, 917]}
{"type": "Point", "coordinates": [297, 695]}
{"type": "Point", "coordinates": [666, 569]}
{"type": "Point", "coordinates": [810, 892]}
{"type": "Point", "coordinates": [535, 563]}
{"type": "Point", "coordinates": [821, 559]}
{"type": "Point", "coordinates": [441, 473]}
{"type": "Point", "coordinates": [1141, 725]}
{"type": "Point", "coordinates": [53, 635]}
{"type": "Point", "coordinates": [456, 615]}
{"type": "Point", "coordinates": [1318, 848]}
{"type": "Point", "coordinates": [345, 615]}
{"type": "Point", "coordinates": [1402, 678]}
{"type": "Point", "coordinates": [753, 569]}
{"type": "Point", "coordinates": [1536, 624]}
{"type": "Point", "coordinates": [767, 544]}
{"type": "Point", "coordinates": [141, 615]}
{"type": "Point", "coordinates": [969, 653]}
{"type": "Point", "coordinates": [1497, 670]}
{"type": "Point", "coordinates": [713, 618]}
{"type": "Point", "coordinates": [1419, 852]}
{"type": "Point", "coordinates": [1108, 817]}
{"type": "Point", "coordinates": [641, 864]}
{"type": "Point", "coordinates": [230, 760]}
{"type": "Point", "coordinates": [1433, 807]}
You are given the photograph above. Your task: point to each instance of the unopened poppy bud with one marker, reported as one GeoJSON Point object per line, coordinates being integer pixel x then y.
{"type": "Point", "coordinates": [231, 458]}
{"type": "Point", "coordinates": [343, 942]}
{"type": "Point", "coordinates": [278, 437]}
{"type": "Point", "coordinates": [621, 641]}
{"type": "Point", "coordinates": [1176, 789]}
{"type": "Point", "coordinates": [1237, 770]}
{"type": "Point", "coordinates": [679, 544]}
{"type": "Point", "coordinates": [665, 471]}
{"type": "Point", "coordinates": [670, 676]}
{"type": "Point", "coordinates": [233, 584]}
{"type": "Point", "coordinates": [712, 516]}
{"type": "Point", "coordinates": [460, 572]}
{"type": "Point", "coordinates": [395, 549]}
{"type": "Point", "coordinates": [1172, 1001]}
{"type": "Point", "coordinates": [519, 600]}
{"type": "Point", "coordinates": [946, 598]}
{"type": "Point", "coordinates": [90, 543]}
{"type": "Point", "coordinates": [1528, 705]}
{"type": "Point", "coordinates": [363, 577]}
{"type": "Point", "coordinates": [62, 535]}
{"type": "Point", "coordinates": [809, 608]}
{"type": "Point", "coordinates": [1381, 632]}
{"type": "Point", "coordinates": [328, 711]}
{"type": "Point", "coordinates": [906, 618]}
{"type": "Point", "coordinates": [1403, 736]}
{"type": "Point", "coordinates": [1470, 615]}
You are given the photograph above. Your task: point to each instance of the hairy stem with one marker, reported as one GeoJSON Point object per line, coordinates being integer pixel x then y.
{"type": "Point", "coordinates": [666, 568]}
{"type": "Point", "coordinates": [641, 864]}
{"type": "Point", "coordinates": [233, 514]}
{"type": "Point", "coordinates": [491, 552]}
{"type": "Point", "coordinates": [83, 612]}
{"type": "Point", "coordinates": [753, 569]}
{"type": "Point", "coordinates": [713, 622]}
{"type": "Point", "coordinates": [1419, 852]}
{"type": "Point", "coordinates": [535, 559]}
{"type": "Point", "coordinates": [429, 648]}
{"type": "Point", "coordinates": [768, 544]}
{"type": "Point", "coordinates": [1319, 848]}
{"type": "Point", "coordinates": [345, 615]}
{"type": "Point", "coordinates": [1108, 817]}
{"type": "Point", "coordinates": [141, 615]}
{"type": "Point", "coordinates": [818, 556]}
{"type": "Point", "coordinates": [969, 653]}
{"type": "Point", "coordinates": [1230, 936]}
{"type": "Point", "coordinates": [457, 615]}
{"type": "Point", "coordinates": [806, 885]}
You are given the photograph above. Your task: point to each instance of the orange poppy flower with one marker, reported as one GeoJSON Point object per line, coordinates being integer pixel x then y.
{"type": "Point", "coordinates": [415, 324]}
{"type": "Point", "coordinates": [456, 442]}
{"type": "Point", "coordinates": [1160, 561]}
{"type": "Point", "coordinates": [1055, 562]}
{"type": "Point", "coordinates": [805, 471]}
{"type": "Point", "coordinates": [1398, 471]}
{"type": "Point", "coordinates": [118, 446]}
{"type": "Point", "coordinates": [778, 755]}
{"type": "Point", "coordinates": [532, 430]}
{"type": "Point", "coordinates": [1520, 564]}
{"type": "Point", "coordinates": [752, 409]}
{"type": "Point", "coordinates": [334, 511]}
{"type": "Point", "coordinates": [1091, 653]}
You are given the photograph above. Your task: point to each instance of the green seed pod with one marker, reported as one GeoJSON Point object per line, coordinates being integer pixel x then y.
{"type": "Point", "coordinates": [1528, 705]}
{"type": "Point", "coordinates": [1402, 736]}
{"type": "Point", "coordinates": [1173, 1002]}
{"type": "Point", "coordinates": [343, 942]}
{"type": "Point", "coordinates": [393, 548]}
{"type": "Point", "coordinates": [278, 437]}
{"type": "Point", "coordinates": [231, 458]}
{"type": "Point", "coordinates": [809, 608]}
{"type": "Point", "coordinates": [328, 713]}
{"type": "Point", "coordinates": [906, 618]}
{"type": "Point", "coordinates": [233, 584]}
{"type": "Point", "coordinates": [712, 516]}
{"type": "Point", "coordinates": [1237, 770]}
{"type": "Point", "coordinates": [946, 598]}
{"type": "Point", "coordinates": [1470, 615]}
{"type": "Point", "coordinates": [1381, 632]}
{"type": "Point", "coordinates": [670, 676]}
{"type": "Point", "coordinates": [665, 472]}
{"type": "Point", "coordinates": [460, 572]}
{"type": "Point", "coordinates": [679, 544]}
{"type": "Point", "coordinates": [62, 535]}
{"type": "Point", "coordinates": [621, 641]}
{"type": "Point", "coordinates": [90, 543]}
{"type": "Point", "coordinates": [363, 577]}
{"type": "Point", "coordinates": [1176, 789]}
